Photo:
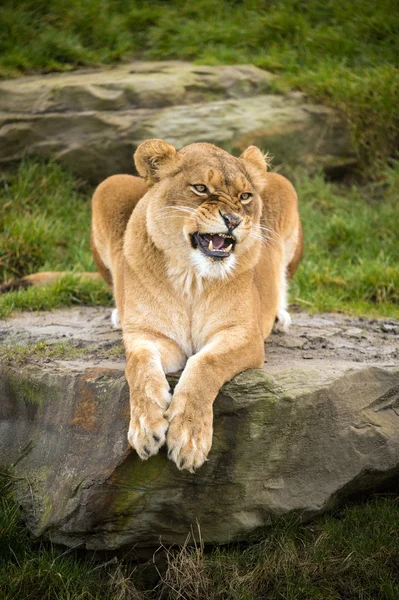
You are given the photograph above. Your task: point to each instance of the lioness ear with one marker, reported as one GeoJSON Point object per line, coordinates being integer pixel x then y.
{"type": "Point", "coordinates": [154, 159]}
{"type": "Point", "coordinates": [257, 158]}
{"type": "Point", "coordinates": [256, 163]}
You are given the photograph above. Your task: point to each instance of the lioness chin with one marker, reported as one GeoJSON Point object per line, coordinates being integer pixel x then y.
{"type": "Point", "coordinates": [198, 252]}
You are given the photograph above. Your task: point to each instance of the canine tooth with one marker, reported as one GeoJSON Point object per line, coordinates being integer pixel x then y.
{"type": "Point", "coordinates": [210, 247]}
{"type": "Point", "coordinates": [228, 248]}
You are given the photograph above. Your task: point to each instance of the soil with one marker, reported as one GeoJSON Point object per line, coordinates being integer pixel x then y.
{"type": "Point", "coordinates": [335, 337]}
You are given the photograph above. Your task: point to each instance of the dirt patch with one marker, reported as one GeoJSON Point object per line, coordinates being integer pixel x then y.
{"type": "Point", "coordinates": [86, 334]}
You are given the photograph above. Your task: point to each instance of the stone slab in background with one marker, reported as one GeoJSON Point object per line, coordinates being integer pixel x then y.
{"type": "Point", "coordinates": [317, 423]}
{"type": "Point", "coordinates": [135, 85]}
{"type": "Point", "coordinates": [93, 121]}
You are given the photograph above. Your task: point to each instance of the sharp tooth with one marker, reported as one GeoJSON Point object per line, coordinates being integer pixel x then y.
{"type": "Point", "coordinates": [210, 247]}
{"type": "Point", "coordinates": [228, 248]}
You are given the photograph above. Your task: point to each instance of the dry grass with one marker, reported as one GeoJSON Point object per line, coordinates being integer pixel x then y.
{"type": "Point", "coordinates": [353, 555]}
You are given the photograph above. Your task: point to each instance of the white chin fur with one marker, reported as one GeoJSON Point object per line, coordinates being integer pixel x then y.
{"type": "Point", "coordinates": [116, 324]}
{"type": "Point", "coordinates": [207, 268]}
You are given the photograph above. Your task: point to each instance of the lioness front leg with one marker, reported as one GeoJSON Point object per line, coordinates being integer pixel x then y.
{"type": "Point", "coordinates": [146, 364]}
{"type": "Point", "coordinates": [189, 437]}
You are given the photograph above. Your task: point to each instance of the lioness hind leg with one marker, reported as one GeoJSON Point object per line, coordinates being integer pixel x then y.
{"type": "Point", "coordinates": [116, 324]}
{"type": "Point", "coordinates": [298, 254]}
{"type": "Point", "coordinates": [293, 250]}
{"type": "Point", "coordinates": [113, 203]}
{"type": "Point", "coordinates": [283, 316]}
{"type": "Point", "coordinates": [43, 278]}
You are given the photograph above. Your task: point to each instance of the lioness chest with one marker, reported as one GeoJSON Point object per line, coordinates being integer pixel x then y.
{"type": "Point", "coordinates": [191, 319]}
{"type": "Point", "coordinates": [176, 304]}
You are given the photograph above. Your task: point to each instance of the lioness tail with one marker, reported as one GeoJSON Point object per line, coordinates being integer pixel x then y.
{"type": "Point", "coordinates": [45, 278]}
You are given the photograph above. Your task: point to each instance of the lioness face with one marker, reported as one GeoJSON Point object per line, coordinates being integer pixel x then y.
{"type": "Point", "coordinates": [205, 207]}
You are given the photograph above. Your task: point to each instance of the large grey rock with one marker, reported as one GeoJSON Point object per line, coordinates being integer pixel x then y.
{"type": "Point", "coordinates": [317, 423]}
{"type": "Point", "coordinates": [94, 120]}
{"type": "Point", "coordinates": [135, 85]}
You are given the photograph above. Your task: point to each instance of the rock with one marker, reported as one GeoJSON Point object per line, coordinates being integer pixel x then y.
{"type": "Point", "coordinates": [388, 328]}
{"type": "Point", "coordinates": [295, 437]}
{"type": "Point", "coordinates": [354, 332]}
{"type": "Point", "coordinates": [93, 121]}
{"type": "Point", "coordinates": [135, 85]}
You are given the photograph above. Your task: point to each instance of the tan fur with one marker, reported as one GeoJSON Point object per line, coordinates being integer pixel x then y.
{"type": "Point", "coordinates": [178, 308]}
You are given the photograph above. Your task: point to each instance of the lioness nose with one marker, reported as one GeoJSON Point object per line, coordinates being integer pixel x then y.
{"type": "Point", "coordinates": [232, 221]}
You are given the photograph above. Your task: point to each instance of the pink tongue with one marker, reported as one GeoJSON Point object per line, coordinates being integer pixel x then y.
{"type": "Point", "coordinates": [217, 241]}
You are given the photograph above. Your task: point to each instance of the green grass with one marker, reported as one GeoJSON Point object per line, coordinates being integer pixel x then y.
{"type": "Point", "coordinates": [67, 291]}
{"type": "Point", "coordinates": [351, 250]}
{"type": "Point", "coordinates": [44, 221]}
{"type": "Point", "coordinates": [351, 260]}
{"type": "Point", "coordinates": [45, 226]}
{"type": "Point", "coordinates": [19, 354]}
{"type": "Point", "coordinates": [33, 572]}
{"type": "Point", "coordinates": [22, 353]}
{"type": "Point", "coordinates": [352, 555]}
{"type": "Point", "coordinates": [340, 52]}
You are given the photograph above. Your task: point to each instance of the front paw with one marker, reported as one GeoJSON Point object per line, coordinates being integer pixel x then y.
{"type": "Point", "coordinates": [147, 431]}
{"type": "Point", "coordinates": [189, 437]}
{"type": "Point", "coordinates": [148, 425]}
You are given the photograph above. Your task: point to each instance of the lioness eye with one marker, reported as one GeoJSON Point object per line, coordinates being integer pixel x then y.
{"type": "Point", "coordinates": [246, 197]}
{"type": "Point", "coordinates": [200, 187]}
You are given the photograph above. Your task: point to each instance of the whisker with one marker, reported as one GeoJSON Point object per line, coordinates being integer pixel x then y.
{"type": "Point", "coordinates": [164, 217]}
{"type": "Point", "coordinates": [267, 241]}
{"type": "Point", "coordinates": [183, 209]}
{"type": "Point", "coordinates": [260, 226]}
{"type": "Point", "coordinates": [270, 233]}
{"type": "Point", "coordinates": [173, 211]}
{"type": "Point", "coordinates": [267, 229]}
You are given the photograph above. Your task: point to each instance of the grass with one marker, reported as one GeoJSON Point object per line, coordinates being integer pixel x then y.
{"type": "Point", "coordinates": [352, 251]}
{"type": "Point", "coordinates": [44, 221]}
{"type": "Point", "coordinates": [39, 351]}
{"type": "Point", "coordinates": [341, 52]}
{"type": "Point", "coordinates": [32, 572]}
{"type": "Point", "coordinates": [350, 262]}
{"type": "Point", "coordinates": [45, 226]}
{"type": "Point", "coordinates": [19, 354]}
{"type": "Point", "coordinates": [352, 555]}
{"type": "Point", "coordinates": [68, 291]}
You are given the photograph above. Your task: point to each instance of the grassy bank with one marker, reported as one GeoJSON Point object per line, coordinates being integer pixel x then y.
{"type": "Point", "coordinates": [350, 261]}
{"type": "Point", "coordinates": [351, 555]}
{"type": "Point", "coordinates": [343, 52]}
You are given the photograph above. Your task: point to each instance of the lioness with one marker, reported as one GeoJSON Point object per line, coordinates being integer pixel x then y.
{"type": "Point", "coordinates": [198, 252]}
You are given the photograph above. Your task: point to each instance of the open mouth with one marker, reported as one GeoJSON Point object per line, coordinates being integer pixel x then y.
{"type": "Point", "coordinates": [215, 245]}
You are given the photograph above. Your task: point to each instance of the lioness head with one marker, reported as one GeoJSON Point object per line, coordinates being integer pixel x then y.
{"type": "Point", "coordinates": [203, 204]}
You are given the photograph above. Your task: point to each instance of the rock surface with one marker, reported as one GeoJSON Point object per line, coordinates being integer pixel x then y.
{"type": "Point", "coordinates": [317, 423]}
{"type": "Point", "coordinates": [93, 121]}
